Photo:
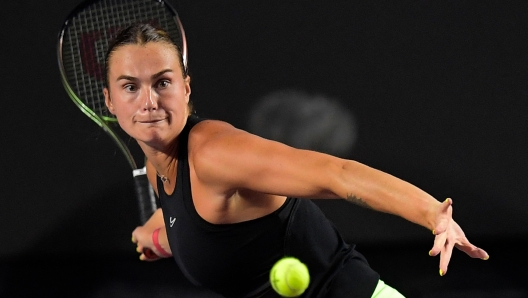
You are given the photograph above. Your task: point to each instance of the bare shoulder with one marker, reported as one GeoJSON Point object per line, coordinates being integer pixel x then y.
{"type": "Point", "coordinates": [207, 137]}
{"type": "Point", "coordinates": [210, 149]}
{"type": "Point", "coordinates": [211, 134]}
{"type": "Point", "coordinates": [208, 127]}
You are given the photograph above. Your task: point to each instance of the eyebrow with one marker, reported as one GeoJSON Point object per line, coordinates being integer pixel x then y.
{"type": "Point", "coordinates": [154, 76]}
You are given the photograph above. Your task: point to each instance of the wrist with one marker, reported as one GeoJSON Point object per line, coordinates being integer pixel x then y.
{"type": "Point", "coordinates": [159, 248]}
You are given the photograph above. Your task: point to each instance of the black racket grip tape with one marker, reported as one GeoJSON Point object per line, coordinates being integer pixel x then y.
{"type": "Point", "coordinates": [145, 204]}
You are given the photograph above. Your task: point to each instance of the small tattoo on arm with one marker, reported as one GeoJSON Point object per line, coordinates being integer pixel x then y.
{"type": "Point", "coordinates": [358, 201]}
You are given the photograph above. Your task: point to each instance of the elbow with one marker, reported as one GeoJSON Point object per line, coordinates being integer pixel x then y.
{"type": "Point", "coordinates": [335, 180]}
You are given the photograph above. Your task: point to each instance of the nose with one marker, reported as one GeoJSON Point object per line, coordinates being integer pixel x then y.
{"type": "Point", "coordinates": [151, 101]}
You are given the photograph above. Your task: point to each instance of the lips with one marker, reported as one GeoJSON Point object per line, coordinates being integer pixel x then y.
{"type": "Point", "coordinates": [152, 121]}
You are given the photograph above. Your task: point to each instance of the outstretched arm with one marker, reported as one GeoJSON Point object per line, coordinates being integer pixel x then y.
{"type": "Point", "coordinates": [271, 167]}
{"type": "Point", "coordinates": [386, 193]}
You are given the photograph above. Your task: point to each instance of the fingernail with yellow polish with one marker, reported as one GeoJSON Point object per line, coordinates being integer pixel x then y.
{"type": "Point", "coordinates": [133, 240]}
{"type": "Point", "coordinates": [441, 272]}
{"type": "Point", "coordinates": [137, 249]}
{"type": "Point", "coordinates": [434, 232]}
{"type": "Point", "coordinates": [486, 258]}
{"type": "Point", "coordinates": [430, 253]}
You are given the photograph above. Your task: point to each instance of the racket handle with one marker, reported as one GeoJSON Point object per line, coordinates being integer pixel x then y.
{"type": "Point", "coordinates": [145, 197]}
{"type": "Point", "coordinates": [149, 253]}
{"type": "Point", "coordinates": [146, 202]}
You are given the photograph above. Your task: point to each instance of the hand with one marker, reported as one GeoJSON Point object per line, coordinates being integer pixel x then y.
{"type": "Point", "coordinates": [142, 236]}
{"type": "Point", "coordinates": [448, 234]}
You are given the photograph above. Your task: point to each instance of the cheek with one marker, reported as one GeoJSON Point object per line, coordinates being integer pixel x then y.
{"type": "Point", "coordinates": [124, 126]}
{"type": "Point", "coordinates": [121, 111]}
{"type": "Point", "coordinates": [125, 123]}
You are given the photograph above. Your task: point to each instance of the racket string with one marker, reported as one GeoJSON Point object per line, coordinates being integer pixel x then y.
{"type": "Point", "coordinates": [87, 37]}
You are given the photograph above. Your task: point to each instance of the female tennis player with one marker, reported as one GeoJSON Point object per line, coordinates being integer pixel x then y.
{"type": "Point", "coordinates": [233, 203]}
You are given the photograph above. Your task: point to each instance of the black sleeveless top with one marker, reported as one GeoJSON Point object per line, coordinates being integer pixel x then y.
{"type": "Point", "coordinates": [234, 260]}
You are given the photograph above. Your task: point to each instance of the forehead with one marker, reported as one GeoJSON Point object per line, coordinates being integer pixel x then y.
{"type": "Point", "coordinates": [151, 53]}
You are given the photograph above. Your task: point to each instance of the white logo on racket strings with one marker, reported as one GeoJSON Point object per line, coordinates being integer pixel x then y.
{"type": "Point", "coordinates": [172, 220]}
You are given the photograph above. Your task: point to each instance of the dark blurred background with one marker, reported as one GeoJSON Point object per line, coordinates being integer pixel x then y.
{"type": "Point", "coordinates": [434, 92]}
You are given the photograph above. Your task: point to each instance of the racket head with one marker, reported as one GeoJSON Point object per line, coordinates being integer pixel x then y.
{"type": "Point", "coordinates": [81, 49]}
{"type": "Point", "coordinates": [86, 34]}
{"type": "Point", "coordinates": [83, 42]}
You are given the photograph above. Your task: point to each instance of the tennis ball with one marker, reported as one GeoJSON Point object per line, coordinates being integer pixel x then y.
{"type": "Point", "coordinates": [289, 277]}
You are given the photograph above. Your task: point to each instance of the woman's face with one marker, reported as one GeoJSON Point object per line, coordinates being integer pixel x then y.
{"type": "Point", "coordinates": [147, 92]}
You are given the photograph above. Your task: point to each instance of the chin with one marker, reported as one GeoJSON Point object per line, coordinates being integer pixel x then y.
{"type": "Point", "coordinates": [153, 139]}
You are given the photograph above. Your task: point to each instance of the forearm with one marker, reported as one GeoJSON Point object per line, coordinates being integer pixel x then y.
{"type": "Point", "coordinates": [159, 224]}
{"type": "Point", "coordinates": [383, 192]}
{"type": "Point", "coordinates": [163, 241]}
{"type": "Point", "coordinates": [153, 235]}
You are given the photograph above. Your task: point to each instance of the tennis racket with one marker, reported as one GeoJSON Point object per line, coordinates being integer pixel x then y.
{"type": "Point", "coordinates": [82, 44]}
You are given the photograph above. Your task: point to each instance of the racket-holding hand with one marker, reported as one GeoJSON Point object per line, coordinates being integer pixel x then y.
{"type": "Point", "coordinates": [448, 234]}
{"type": "Point", "coordinates": [152, 244]}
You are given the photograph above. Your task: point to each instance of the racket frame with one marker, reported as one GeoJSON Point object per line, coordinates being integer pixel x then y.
{"type": "Point", "coordinates": [105, 122]}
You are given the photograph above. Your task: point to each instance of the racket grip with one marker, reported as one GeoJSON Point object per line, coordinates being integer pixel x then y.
{"type": "Point", "coordinates": [146, 202]}
{"type": "Point", "coordinates": [145, 199]}
{"type": "Point", "coordinates": [149, 253]}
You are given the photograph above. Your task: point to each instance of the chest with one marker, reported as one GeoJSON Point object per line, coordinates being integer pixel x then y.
{"type": "Point", "coordinates": [213, 254]}
{"type": "Point", "coordinates": [217, 207]}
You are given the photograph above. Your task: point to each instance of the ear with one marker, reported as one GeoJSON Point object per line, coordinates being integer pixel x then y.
{"type": "Point", "coordinates": [187, 82]}
{"type": "Point", "coordinates": [108, 101]}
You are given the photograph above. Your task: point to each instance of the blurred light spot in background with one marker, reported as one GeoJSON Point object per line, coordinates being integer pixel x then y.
{"type": "Point", "coordinates": [303, 120]}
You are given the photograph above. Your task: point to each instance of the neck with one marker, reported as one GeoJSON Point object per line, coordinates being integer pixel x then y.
{"type": "Point", "coordinates": [165, 169]}
{"type": "Point", "coordinates": [163, 178]}
{"type": "Point", "coordinates": [164, 162]}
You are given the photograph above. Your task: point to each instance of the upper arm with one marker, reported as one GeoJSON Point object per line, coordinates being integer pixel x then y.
{"type": "Point", "coordinates": [227, 158]}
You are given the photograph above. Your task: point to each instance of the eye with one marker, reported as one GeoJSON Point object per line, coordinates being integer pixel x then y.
{"type": "Point", "coordinates": [163, 84]}
{"type": "Point", "coordinates": [130, 87]}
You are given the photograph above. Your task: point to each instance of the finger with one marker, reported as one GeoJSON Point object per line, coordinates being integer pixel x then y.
{"type": "Point", "coordinates": [134, 238]}
{"type": "Point", "coordinates": [148, 257]}
{"type": "Point", "coordinates": [146, 254]}
{"type": "Point", "coordinates": [445, 257]}
{"type": "Point", "coordinates": [150, 254]}
{"type": "Point", "coordinates": [472, 251]}
{"type": "Point", "coordinates": [438, 244]}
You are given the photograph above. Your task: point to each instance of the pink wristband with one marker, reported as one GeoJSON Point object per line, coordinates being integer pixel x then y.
{"type": "Point", "coordinates": [158, 246]}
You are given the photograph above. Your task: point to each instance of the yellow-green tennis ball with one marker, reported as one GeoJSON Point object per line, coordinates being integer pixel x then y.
{"type": "Point", "coordinates": [289, 277]}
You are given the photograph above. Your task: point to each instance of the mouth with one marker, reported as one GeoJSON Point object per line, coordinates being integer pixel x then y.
{"type": "Point", "coordinates": [152, 121]}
